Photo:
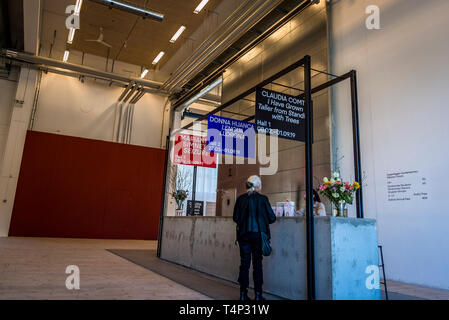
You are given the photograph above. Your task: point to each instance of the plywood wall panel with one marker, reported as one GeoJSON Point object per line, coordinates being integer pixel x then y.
{"type": "Point", "coordinates": [82, 188]}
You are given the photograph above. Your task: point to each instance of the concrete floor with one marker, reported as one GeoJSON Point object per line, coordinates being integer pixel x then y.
{"type": "Point", "coordinates": [34, 268]}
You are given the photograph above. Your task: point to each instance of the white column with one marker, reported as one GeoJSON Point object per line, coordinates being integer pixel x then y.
{"type": "Point", "coordinates": [12, 158]}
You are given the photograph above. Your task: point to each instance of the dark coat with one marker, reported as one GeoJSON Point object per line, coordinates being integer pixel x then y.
{"type": "Point", "coordinates": [264, 213]}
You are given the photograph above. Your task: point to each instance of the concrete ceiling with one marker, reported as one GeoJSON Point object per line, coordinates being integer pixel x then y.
{"type": "Point", "coordinates": [144, 38]}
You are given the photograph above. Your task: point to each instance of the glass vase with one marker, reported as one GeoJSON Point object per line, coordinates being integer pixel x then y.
{"type": "Point", "coordinates": [179, 208]}
{"type": "Point", "coordinates": [340, 210]}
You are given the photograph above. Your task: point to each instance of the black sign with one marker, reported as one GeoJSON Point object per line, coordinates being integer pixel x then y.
{"type": "Point", "coordinates": [280, 114]}
{"type": "Point", "coordinates": [195, 209]}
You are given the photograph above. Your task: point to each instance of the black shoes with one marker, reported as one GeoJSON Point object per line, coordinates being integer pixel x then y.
{"type": "Point", "coordinates": [259, 296]}
{"type": "Point", "coordinates": [244, 295]}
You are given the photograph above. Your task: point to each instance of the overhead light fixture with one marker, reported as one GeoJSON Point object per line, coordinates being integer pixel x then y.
{"type": "Point", "coordinates": [200, 6]}
{"type": "Point", "coordinates": [158, 57]}
{"type": "Point", "coordinates": [66, 56]}
{"type": "Point", "coordinates": [144, 73]}
{"type": "Point", "coordinates": [203, 92]}
{"type": "Point", "coordinates": [71, 35]}
{"type": "Point", "coordinates": [177, 34]}
{"type": "Point", "coordinates": [78, 5]}
{"type": "Point", "coordinates": [131, 8]}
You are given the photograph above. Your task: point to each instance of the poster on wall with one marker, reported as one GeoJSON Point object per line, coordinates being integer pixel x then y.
{"type": "Point", "coordinates": [231, 137]}
{"type": "Point", "coordinates": [280, 114]}
{"type": "Point", "coordinates": [191, 150]}
{"type": "Point", "coordinates": [405, 186]}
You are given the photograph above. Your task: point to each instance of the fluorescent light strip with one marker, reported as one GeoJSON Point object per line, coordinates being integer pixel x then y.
{"type": "Point", "coordinates": [71, 35]}
{"type": "Point", "coordinates": [78, 5]}
{"type": "Point", "coordinates": [200, 6]}
{"type": "Point", "coordinates": [144, 73]}
{"type": "Point", "coordinates": [159, 56]}
{"type": "Point", "coordinates": [66, 56]}
{"type": "Point", "coordinates": [177, 34]}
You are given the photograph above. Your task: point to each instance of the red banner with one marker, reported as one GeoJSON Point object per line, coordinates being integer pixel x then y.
{"type": "Point", "coordinates": [191, 150]}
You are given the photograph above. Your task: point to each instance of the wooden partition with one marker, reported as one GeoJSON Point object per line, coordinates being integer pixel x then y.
{"type": "Point", "coordinates": [82, 188]}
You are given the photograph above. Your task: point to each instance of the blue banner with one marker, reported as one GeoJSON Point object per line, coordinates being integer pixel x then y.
{"type": "Point", "coordinates": [231, 136]}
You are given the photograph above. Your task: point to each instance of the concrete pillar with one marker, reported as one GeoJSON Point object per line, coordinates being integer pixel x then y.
{"type": "Point", "coordinates": [12, 158]}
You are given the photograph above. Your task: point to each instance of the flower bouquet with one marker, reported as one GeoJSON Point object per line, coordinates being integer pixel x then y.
{"type": "Point", "coordinates": [180, 196]}
{"type": "Point", "coordinates": [338, 192]}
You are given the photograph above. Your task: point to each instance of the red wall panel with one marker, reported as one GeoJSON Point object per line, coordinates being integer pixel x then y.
{"type": "Point", "coordinates": [82, 188]}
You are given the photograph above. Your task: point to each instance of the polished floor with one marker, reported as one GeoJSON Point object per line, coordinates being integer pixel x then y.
{"type": "Point", "coordinates": [35, 268]}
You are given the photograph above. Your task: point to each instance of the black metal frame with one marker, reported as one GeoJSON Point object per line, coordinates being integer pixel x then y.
{"type": "Point", "coordinates": [382, 265]}
{"type": "Point", "coordinates": [310, 225]}
{"type": "Point", "coordinates": [307, 96]}
{"type": "Point", "coordinates": [164, 190]}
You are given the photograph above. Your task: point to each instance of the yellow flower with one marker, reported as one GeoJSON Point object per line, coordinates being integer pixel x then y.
{"type": "Point", "coordinates": [328, 183]}
{"type": "Point", "coordinates": [356, 185]}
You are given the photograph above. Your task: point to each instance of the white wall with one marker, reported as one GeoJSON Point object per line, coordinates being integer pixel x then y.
{"type": "Point", "coordinates": [403, 92]}
{"type": "Point", "coordinates": [13, 150]}
{"type": "Point", "coordinates": [69, 107]}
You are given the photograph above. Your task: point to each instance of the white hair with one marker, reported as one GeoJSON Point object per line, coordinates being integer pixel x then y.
{"type": "Point", "coordinates": [256, 183]}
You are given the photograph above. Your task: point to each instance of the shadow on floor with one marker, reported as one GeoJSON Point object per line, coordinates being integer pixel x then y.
{"type": "Point", "coordinates": [207, 285]}
{"type": "Point", "coordinates": [399, 296]}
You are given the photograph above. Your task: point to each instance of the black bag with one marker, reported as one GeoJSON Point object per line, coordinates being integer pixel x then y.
{"type": "Point", "coordinates": [266, 245]}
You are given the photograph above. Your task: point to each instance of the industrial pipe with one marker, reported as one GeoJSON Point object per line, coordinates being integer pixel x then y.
{"type": "Point", "coordinates": [25, 57]}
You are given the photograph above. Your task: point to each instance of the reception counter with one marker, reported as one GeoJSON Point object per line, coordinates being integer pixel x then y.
{"type": "Point", "coordinates": [346, 254]}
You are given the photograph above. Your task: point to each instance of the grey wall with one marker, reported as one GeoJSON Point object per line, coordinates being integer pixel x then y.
{"type": "Point", "coordinates": [305, 34]}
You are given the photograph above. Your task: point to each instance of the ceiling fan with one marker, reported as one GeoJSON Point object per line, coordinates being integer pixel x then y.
{"type": "Point", "coordinates": [100, 39]}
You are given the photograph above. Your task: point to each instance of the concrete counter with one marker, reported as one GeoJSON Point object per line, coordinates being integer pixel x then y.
{"type": "Point", "coordinates": [344, 249]}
